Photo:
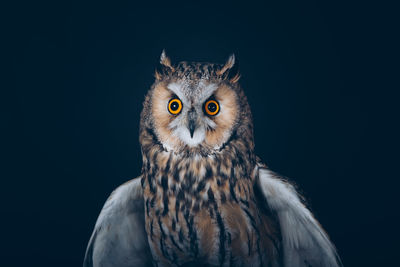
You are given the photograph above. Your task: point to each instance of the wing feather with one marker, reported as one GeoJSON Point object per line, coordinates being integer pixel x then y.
{"type": "Point", "coordinates": [119, 237]}
{"type": "Point", "coordinates": [304, 242]}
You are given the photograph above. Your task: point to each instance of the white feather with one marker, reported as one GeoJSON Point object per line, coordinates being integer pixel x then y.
{"type": "Point", "coordinates": [176, 88]}
{"type": "Point", "coordinates": [119, 237]}
{"type": "Point", "coordinates": [207, 89]}
{"type": "Point", "coordinates": [304, 241]}
{"type": "Point", "coordinates": [184, 134]}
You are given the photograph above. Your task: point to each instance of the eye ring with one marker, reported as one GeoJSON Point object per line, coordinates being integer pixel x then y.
{"type": "Point", "coordinates": [175, 106]}
{"type": "Point", "coordinates": [211, 107]}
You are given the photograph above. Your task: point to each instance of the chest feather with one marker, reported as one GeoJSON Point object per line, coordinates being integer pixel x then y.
{"type": "Point", "coordinates": [197, 210]}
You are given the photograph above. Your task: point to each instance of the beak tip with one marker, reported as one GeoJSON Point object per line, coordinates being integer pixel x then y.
{"type": "Point", "coordinates": [192, 122]}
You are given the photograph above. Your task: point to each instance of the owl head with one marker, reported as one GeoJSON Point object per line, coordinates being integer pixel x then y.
{"type": "Point", "coordinates": [196, 107]}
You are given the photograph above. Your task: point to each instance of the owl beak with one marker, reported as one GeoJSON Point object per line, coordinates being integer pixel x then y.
{"type": "Point", "coordinates": [192, 118]}
{"type": "Point", "coordinates": [192, 127]}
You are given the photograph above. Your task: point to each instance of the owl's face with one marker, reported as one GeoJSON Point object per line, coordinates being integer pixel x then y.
{"type": "Point", "coordinates": [194, 105]}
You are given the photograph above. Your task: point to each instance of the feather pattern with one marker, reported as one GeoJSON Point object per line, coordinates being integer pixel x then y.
{"type": "Point", "coordinates": [119, 237]}
{"type": "Point", "coordinates": [304, 242]}
{"type": "Point", "coordinates": [204, 198]}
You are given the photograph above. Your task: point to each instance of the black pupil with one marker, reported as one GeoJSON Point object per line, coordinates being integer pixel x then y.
{"type": "Point", "coordinates": [174, 106]}
{"type": "Point", "coordinates": [212, 107]}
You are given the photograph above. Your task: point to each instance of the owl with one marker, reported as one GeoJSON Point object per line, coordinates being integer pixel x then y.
{"type": "Point", "coordinates": [204, 198]}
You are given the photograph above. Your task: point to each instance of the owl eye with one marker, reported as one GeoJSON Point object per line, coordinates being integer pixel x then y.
{"type": "Point", "coordinates": [211, 107]}
{"type": "Point", "coordinates": [174, 106]}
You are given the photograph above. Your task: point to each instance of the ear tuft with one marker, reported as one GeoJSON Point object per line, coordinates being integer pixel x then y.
{"type": "Point", "coordinates": [231, 61]}
{"type": "Point", "coordinates": [230, 71]}
{"type": "Point", "coordinates": [165, 67]}
{"type": "Point", "coordinates": [164, 60]}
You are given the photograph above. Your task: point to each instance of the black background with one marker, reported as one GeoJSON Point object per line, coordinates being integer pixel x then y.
{"type": "Point", "coordinates": [319, 78]}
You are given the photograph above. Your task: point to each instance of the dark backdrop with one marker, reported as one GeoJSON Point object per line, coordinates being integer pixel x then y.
{"type": "Point", "coordinates": [318, 77]}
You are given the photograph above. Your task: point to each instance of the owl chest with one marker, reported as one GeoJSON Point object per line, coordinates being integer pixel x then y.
{"type": "Point", "coordinates": [200, 211]}
{"type": "Point", "coordinates": [214, 234]}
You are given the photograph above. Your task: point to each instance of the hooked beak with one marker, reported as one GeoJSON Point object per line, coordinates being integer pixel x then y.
{"type": "Point", "coordinates": [192, 118]}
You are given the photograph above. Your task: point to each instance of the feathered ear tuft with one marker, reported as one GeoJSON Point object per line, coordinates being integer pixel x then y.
{"type": "Point", "coordinates": [165, 67]}
{"type": "Point", "coordinates": [164, 60]}
{"type": "Point", "coordinates": [230, 71]}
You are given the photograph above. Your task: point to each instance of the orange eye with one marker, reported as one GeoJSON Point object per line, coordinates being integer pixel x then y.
{"type": "Point", "coordinates": [174, 106]}
{"type": "Point", "coordinates": [211, 107]}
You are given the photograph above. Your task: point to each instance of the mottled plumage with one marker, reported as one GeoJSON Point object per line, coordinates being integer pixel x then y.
{"type": "Point", "coordinates": [204, 197]}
